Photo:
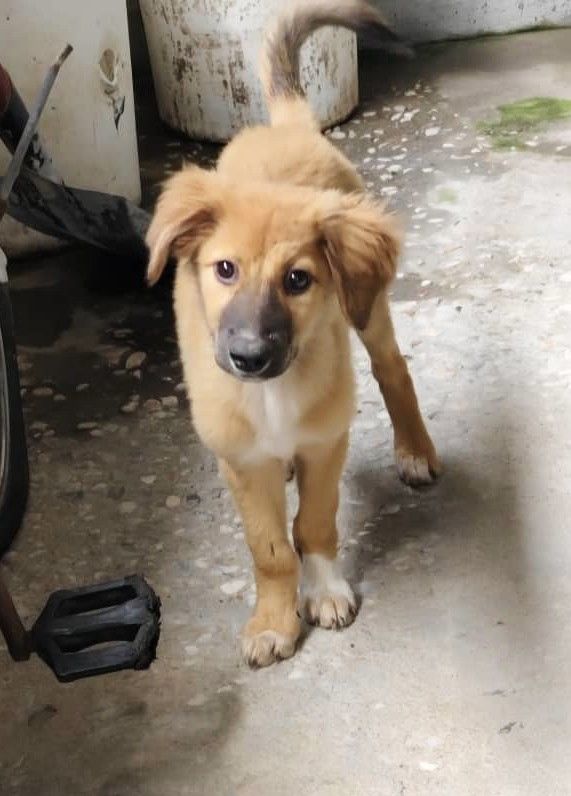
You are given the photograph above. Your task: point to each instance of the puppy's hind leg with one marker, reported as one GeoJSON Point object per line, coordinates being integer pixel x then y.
{"type": "Point", "coordinates": [416, 459]}
{"type": "Point", "coordinates": [326, 597]}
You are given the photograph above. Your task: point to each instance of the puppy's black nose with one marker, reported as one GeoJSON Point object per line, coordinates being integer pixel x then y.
{"type": "Point", "coordinates": [250, 355]}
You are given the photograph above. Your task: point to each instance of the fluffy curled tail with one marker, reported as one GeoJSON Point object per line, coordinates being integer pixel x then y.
{"type": "Point", "coordinates": [284, 95]}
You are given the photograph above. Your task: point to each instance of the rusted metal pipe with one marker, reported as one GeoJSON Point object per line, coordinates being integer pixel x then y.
{"type": "Point", "coordinates": [13, 119]}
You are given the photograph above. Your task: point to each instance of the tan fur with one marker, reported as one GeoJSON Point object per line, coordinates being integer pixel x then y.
{"type": "Point", "coordinates": [282, 195]}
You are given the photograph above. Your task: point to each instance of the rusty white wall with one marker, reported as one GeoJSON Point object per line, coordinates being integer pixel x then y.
{"type": "Point", "coordinates": [433, 20]}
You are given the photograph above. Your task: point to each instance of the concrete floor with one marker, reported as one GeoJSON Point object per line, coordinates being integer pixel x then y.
{"type": "Point", "coordinates": [456, 677]}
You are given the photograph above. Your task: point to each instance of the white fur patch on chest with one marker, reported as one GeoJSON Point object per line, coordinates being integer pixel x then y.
{"type": "Point", "coordinates": [273, 409]}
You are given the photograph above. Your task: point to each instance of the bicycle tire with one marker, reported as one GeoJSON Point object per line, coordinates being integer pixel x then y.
{"type": "Point", "coordinates": [14, 469]}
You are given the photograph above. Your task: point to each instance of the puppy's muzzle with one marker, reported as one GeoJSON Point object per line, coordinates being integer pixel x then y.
{"type": "Point", "coordinates": [252, 356]}
{"type": "Point", "coordinates": [254, 337]}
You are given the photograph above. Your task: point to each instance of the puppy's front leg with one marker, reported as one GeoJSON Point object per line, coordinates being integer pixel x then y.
{"type": "Point", "coordinates": [416, 459]}
{"type": "Point", "coordinates": [272, 631]}
{"type": "Point", "coordinates": [327, 598]}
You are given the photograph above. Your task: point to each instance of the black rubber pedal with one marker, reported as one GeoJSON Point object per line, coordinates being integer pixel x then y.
{"type": "Point", "coordinates": [98, 629]}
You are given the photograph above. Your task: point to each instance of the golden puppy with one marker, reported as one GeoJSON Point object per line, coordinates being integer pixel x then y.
{"type": "Point", "coordinates": [279, 250]}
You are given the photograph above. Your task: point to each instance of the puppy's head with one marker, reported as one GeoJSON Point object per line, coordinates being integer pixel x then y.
{"type": "Point", "coordinates": [271, 262]}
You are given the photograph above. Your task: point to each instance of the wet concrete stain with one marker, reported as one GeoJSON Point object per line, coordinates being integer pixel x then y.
{"type": "Point", "coordinates": [41, 716]}
{"type": "Point", "coordinates": [507, 728]}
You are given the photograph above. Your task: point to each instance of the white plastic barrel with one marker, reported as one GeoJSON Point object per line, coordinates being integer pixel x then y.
{"type": "Point", "coordinates": [205, 55]}
{"type": "Point", "coordinates": [88, 124]}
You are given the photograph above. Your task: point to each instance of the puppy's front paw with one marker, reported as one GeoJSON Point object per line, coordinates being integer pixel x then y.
{"type": "Point", "coordinates": [270, 636]}
{"type": "Point", "coordinates": [267, 647]}
{"type": "Point", "coordinates": [326, 597]}
{"type": "Point", "coordinates": [417, 467]}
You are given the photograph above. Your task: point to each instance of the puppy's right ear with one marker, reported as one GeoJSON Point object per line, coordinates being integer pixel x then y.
{"type": "Point", "coordinates": [186, 213]}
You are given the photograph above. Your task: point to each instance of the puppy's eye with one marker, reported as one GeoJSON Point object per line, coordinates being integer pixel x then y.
{"type": "Point", "coordinates": [297, 281]}
{"type": "Point", "coordinates": [226, 271]}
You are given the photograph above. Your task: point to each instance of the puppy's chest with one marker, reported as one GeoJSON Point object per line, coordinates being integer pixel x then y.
{"type": "Point", "coordinates": [274, 410]}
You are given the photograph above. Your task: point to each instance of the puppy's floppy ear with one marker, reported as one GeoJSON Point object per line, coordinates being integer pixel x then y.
{"type": "Point", "coordinates": [361, 243]}
{"type": "Point", "coordinates": [186, 212]}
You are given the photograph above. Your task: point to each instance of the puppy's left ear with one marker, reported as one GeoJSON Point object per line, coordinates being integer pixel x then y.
{"type": "Point", "coordinates": [361, 243]}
